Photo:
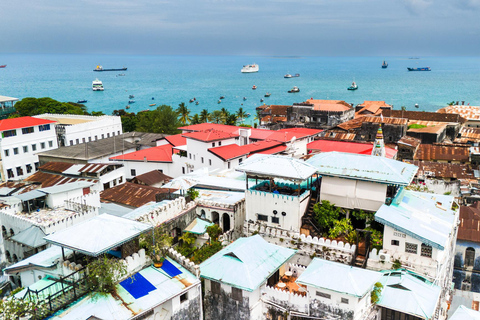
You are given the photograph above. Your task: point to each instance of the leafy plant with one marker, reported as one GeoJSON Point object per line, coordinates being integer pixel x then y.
{"type": "Point", "coordinates": [351, 237]}
{"type": "Point", "coordinates": [205, 252]}
{"type": "Point", "coordinates": [341, 228]}
{"type": "Point", "coordinates": [396, 264]}
{"type": "Point", "coordinates": [214, 231]}
{"type": "Point", "coordinates": [12, 308]}
{"type": "Point", "coordinates": [366, 216]}
{"type": "Point", "coordinates": [376, 292]}
{"type": "Point", "coordinates": [193, 193]}
{"type": "Point", "coordinates": [325, 214]}
{"type": "Point", "coordinates": [376, 238]}
{"type": "Point", "coordinates": [104, 274]}
{"type": "Point", "coordinates": [187, 248]}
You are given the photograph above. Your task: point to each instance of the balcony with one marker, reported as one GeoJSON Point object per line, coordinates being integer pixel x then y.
{"type": "Point", "coordinates": [288, 283]}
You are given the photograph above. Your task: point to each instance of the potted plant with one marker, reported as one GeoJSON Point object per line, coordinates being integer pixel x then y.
{"type": "Point", "coordinates": [160, 249]}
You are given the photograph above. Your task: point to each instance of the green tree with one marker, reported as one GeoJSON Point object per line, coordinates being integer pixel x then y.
{"type": "Point", "coordinates": [204, 116]}
{"type": "Point", "coordinates": [325, 214]}
{"type": "Point", "coordinates": [183, 113]}
{"type": "Point", "coordinates": [241, 114]}
{"type": "Point", "coordinates": [129, 120]}
{"type": "Point", "coordinates": [161, 120]}
{"type": "Point", "coordinates": [195, 119]}
{"type": "Point", "coordinates": [216, 116]}
{"type": "Point", "coordinates": [34, 106]}
{"type": "Point", "coordinates": [104, 274]}
{"type": "Point", "coordinates": [341, 228]}
{"type": "Point", "coordinates": [193, 193]}
{"type": "Point", "coordinates": [376, 292]}
{"type": "Point", "coordinates": [231, 120]}
{"type": "Point", "coordinates": [214, 231]}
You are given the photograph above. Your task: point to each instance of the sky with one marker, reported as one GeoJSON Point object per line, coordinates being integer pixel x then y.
{"type": "Point", "coordinates": [242, 27]}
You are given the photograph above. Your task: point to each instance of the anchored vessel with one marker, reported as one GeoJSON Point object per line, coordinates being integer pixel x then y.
{"type": "Point", "coordinates": [384, 64]}
{"type": "Point", "coordinates": [353, 86]}
{"type": "Point", "coordinates": [100, 68]}
{"type": "Point", "coordinates": [97, 85]}
{"type": "Point", "coordinates": [250, 68]}
{"type": "Point", "coordinates": [420, 69]}
{"type": "Point", "coordinates": [294, 89]}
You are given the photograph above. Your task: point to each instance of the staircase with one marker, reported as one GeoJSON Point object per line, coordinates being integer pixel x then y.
{"type": "Point", "coordinates": [308, 224]}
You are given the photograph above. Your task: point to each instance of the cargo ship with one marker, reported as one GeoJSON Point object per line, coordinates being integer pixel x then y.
{"type": "Point", "coordinates": [3, 66]}
{"type": "Point", "coordinates": [100, 68]}
{"type": "Point", "coordinates": [420, 69]}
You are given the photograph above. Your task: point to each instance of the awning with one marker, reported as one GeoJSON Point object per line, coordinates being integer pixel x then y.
{"type": "Point", "coordinates": [198, 226]}
{"type": "Point", "coordinates": [34, 194]}
{"type": "Point", "coordinates": [31, 237]}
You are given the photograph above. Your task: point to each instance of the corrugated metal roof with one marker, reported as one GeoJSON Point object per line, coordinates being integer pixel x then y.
{"type": "Point", "coordinates": [131, 194]}
{"type": "Point", "coordinates": [424, 216]}
{"type": "Point", "coordinates": [232, 151]}
{"type": "Point", "coordinates": [363, 167]}
{"type": "Point", "coordinates": [161, 153]}
{"type": "Point", "coordinates": [246, 263]}
{"type": "Point", "coordinates": [32, 237]}
{"type": "Point", "coordinates": [339, 277]}
{"type": "Point", "coordinates": [443, 170]}
{"type": "Point", "coordinates": [429, 152]}
{"type": "Point", "coordinates": [151, 178]}
{"type": "Point", "coordinates": [45, 259]}
{"type": "Point", "coordinates": [464, 313]}
{"type": "Point", "coordinates": [30, 195]}
{"type": "Point", "coordinates": [469, 229]}
{"type": "Point", "coordinates": [347, 146]}
{"type": "Point", "coordinates": [277, 166]}
{"type": "Point", "coordinates": [67, 187]}
{"type": "Point", "coordinates": [98, 234]}
{"type": "Point", "coordinates": [407, 293]}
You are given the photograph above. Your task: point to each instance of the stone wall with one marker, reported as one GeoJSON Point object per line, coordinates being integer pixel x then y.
{"type": "Point", "coordinates": [191, 311]}
{"type": "Point", "coordinates": [223, 306]}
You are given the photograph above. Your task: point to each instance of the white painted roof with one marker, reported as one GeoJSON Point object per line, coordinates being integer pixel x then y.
{"type": "Point", "coordinates": [464, 313]}
{"type": "Point", "coordinates": [44, 259]}
{"type": "Point", "coordinates": [7, 99]}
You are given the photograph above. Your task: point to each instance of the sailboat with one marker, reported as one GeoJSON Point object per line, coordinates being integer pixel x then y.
{"type": "Point", "coordinates": [384, 64]}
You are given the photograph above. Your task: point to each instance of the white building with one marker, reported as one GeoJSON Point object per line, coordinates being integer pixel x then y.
{"type": "Point", "coordinates": [22, 139]}
{"type": "Point", "coordinates": [73, 129]}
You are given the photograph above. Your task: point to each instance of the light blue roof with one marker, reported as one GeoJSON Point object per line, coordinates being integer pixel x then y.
{"type": "Point", "coordinates": [44, 259]}
{"type": "Point", "coordinates": [32, 237]}
{"type": "Point", "coordinates": [99, 234]}
{"type": "Point", "coordinates": [246, 263]}
{"type": "Point", "coordinates": [108, 307]}
{"type": "Point", "coordinates": [427, 217]}
{"type": "Point", "coordinates": [363, 167]}
{"type": "Point", "coordinates": [404, 292]}
{"type": "Point", "coordinates": [339, 277]}
{"type": "Point", "coordinates": [464, 313]}
{"type": "Point", "coordinates": [198, 226]}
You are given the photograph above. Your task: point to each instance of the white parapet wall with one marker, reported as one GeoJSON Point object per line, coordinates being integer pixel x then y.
{"type": "Point", "coordinates": [286, 299]}
{"type": "Point", "coordinates": [184, 262]}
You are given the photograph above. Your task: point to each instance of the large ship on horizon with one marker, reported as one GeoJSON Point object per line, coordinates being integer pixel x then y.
{"type": "Point", "coordinates": [100, 68]}
{"type": "Point", "coordinates": [420, 69]}
{"type": "Point", "coordinates": [250, 68]}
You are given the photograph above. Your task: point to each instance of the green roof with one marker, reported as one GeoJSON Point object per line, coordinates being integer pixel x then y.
{"type": "Point", "coordinates": [246, 263]}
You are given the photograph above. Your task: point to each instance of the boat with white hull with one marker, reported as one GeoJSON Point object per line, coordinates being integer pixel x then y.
{"type": "Point", "coordinates": [250, 68]}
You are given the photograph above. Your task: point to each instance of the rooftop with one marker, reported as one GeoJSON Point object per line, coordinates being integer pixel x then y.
{"type": "Point", "coordinates": [72, 119]}
{"type": "Point", "coordinates": [429, 126]}
{"type": "Point", "coordinates": [176, 140]}
{"type": "Point", "coordinates": [31, 237]}
{"type": "Point", "coordinates": [372, 107]}
{"type": "Point", "coordinates": [277, 166]}
{"type": "Point", "coordinates": [97, 235]}
{"type": "Point", "coordinates": [22, 122]}
{"type": "Point", "coordinates": [422, 115]}
{"type": "Point", "coordinates": [347, 146]}
{"type": "Point", "coordinates": [46, 179]}
{"type": "Point", "coordinates": [409, 141]}
{"type": "Point", "coordinates": [469, 229]}
{"type": "Point", "coordinates": [341, 278]}
{"type": "Point", "coordinates": [468, 112]}
{"type": "Point", "coordinates": [209, 135]}
{"type": "Point", "coordinates": [443, 170]}
{"type": "Point", "coordinates": [427, 217]}
{"type": "Point", "coordinates": [151, 178]}
{"type": "Point", "coordinates": [327, 105]}
{"type": "Point", "coordinates": [131, 194]}
{"type": "Point", "coordinates": [464, 313]}
{"type": "Point", "coordinates": [161, 153]}
{"type": "Point", "coordinates": [232, 151]}
{"type": "Point", "coordinates": [45, 217]}
{"type": "Point", "coordinates": [429, 152]}
{"type": "Point", "coordinates": [408, 293]}
{"type": "Point", "coordinates": [246, 263]}
{"type": "Point", "coordinates": [4, 99]}
{"type": "Point", "coordinates": [363, 167]}
{"type": "Point", "coordinates": [47, 258]}
{"type": "Point", "coordinates": [198, 226]}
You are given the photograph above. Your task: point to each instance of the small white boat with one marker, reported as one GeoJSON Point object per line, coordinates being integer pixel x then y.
{"type": "Point", "coordinates": [97, 85]}
{"type": "Point", "coordinates": [288, 75]}
{"type": "Point", "coordinates": [294, 89]}
{"type": "Point", "coordinates": [254, 87]}
{"type": "Point", "coordinates": [250, 68]}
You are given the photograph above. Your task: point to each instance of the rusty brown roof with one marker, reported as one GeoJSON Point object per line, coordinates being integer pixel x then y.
{"type": "Point", "coordinates": [431, 126]}
{"type": "Point", "coordinates": [151, 178]}
{"type": "Point", "coordinates": [422, 115]}
{"type": "Point", "coordinates": [54, 166]}
{"type": "Point", "coordinates": [429, 152]}
{"type": "Point", "coordinates": [46, 179]}
{"type": "Point", "coordinates": [469, 229]}
{"type": "Point", "coordinates": [332, 135]}
{"type": "Point", "coordinates": [410, 141]}
{"type": "Point", "coordinates": [386, 120]}
{"type": "Point", "coordinates": [443, 170]}
{"type": "Point", "coordinates": [351, 124]}
{"type": "Point", "coordinates": [373, 107]}
{"type": "Point", "coordinates": [131, 194]}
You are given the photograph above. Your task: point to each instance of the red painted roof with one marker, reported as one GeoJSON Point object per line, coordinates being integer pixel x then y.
{"type": "Point", "coordinates": [286, 135]}
{"type": "Point", "coordinates": [176, 140]}
{"type": "Point", "coordinates": [273, 150]}
{"type": "Point", "coordinates": [210, 135]}
{"type": "Point", "coordinates": [22, 122]}
{"type": "Point", "coordinates": [155, 154]}
{"type": "Point", "coordinates": [348, 147]}
{"type": "Point", "coordinates": [209, 126]}
{"type": "Point", "coordinates": [232, 151]}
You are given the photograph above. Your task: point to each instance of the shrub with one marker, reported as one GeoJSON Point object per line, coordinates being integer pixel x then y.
{"type": "Point", "coordinates": [104, 273]}
{"type": "Point", "coordinates": [325, 214]}
{"type": "Point", "coordinates": [206, 251]}
{"type": "Point", "coordinates": [214, 231]}
{"type": "Point", "coordinates": [396, 264]}
{"type": "Point", "coordinates": [193, 193]}
{"type": "Point", "coordinates": [341, 228]}
{"type": "Point", "coordinates": [377, 290]}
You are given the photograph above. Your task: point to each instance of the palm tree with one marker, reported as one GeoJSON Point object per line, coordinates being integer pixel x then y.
{"type": "Point", "coordinates": [225, 113]}
{"type": "Point", "coordinates": [217, 116]}
{"type": "Point", "coordinates": [204, 116]}
{"type": "Point", "coordinates": [195, 119]}
{"type": "Point", "coordinates": [241, 114]}
{"type": "Point", "coordinates": [183, 113]}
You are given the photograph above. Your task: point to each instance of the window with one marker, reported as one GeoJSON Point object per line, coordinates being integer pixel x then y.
{"type": "Point", "coordinates": [262, 217]}
{"type": "Point", "coordinates": [426, 250]}
{"type": "Point", "coordinates": [184, 297]}
{"type": "Point", "coordinates": [210, 162]}
{"type": "Point", "coordinates": [9, 133]}
{"type": "Point", "coordinates": [469, 257]}
{"type": "Point", "coordinates": [228, 164]}
{"type": "Point", "coordinates": [344, 300]}
{"type": "Point", "coordinates": [50, 144]}
{"type": "Point", "coordinates": [83, 140]}
{"type": "Point", "coordinates": [89, 139]}
{"type": "Point", "coordinates": [183, 170]}
{"type": "Point", "coordinates": [108, 134]}
{"type": "Point", "coordinates": [7, 152]}
{"type": "Point", "coordinates": [202, 159]}
{"type": "Point", "coordinates": [34, 147]}
{"type": "Point", "coordinates": [411, 248]}
{"type": "Point", "coordinates": [190, 155]}
{"type": "Point", "coordinates": [15, 150]}
{"type": "Point", "coordinates": [275, 220]}
{"type": "Point", "coordinates": [86, 190]}
{"type": "Point", "coordinates": [118, 132]}
{"type": "Point", "coordinates": [103, 136]}
{"type": "Point", "coordinates": [113, 134]}
{"type": "Point", "coordinates": [219, 143]}
{"type": "Point", "coordinates": [323, 295]}
{"type": "Point", "coordinates": [120, 180]}
{"type": "Point", "coordinates": [77, 141]}
{"type": "Point", "coordinates": [133, 172]}
{"type": "Point", "coordinates": [213, 144]}
{"type": "Point", "coordinates": [42, 145]}
{"type": "Point", "coordinates": [96, 138]}
{"type": "Point", "coordinates": [215, 287]}
{"type": "Point", "coordinates": [240, 160]}
{"type": "Point", "coordinates": [37, 164]}
{"type": "Point", "coordinates": [10, 173]}
{"type": "Point", "coordinates": [27, 130]}
{"type": "Point", "coordinates": [237, 294]}
{"type": "Point", "coordinates": [395, 243]}
{"type": "Point", "coordinates": [25, 149]}
{"type": "Point", "coordinates": [44, 127]}
{"type": "Point", "coordinates": [29, 168]}
{"type": "Point", "coordinates": [19, 171]}
{"type": "Point", "coordinates": [71, 142]}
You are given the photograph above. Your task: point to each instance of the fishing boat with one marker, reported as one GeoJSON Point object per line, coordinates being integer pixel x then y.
{"type": "Point", "coordinates": [353, 86]}
{"type": "Point", "coordinates": [100, 68]}
{"type": "Point", "coordinates": [127, 107]}
{"type": "Point", "coordinates": [191, 100]}
{"type": "Point", "coordinates": [294, 89]}
{"type": "Point", "coordinates": [261, 100]}
{"type": "Point", "coordinates": [420, 69]}
{"type": "Point", "coordinates": [97, 85]}
{"type": "Point", "coordinates": [3, 66]}
{"type": "Point", "coordinates": [131, 96]}
{"type": "Point", "coordinates": [131, 101]}
{"type": "Point", "coordinates": [268, 94]}
{"type": "Point", "coordinates": [222, 97]}
{"type": "Point", "coordinates": [254, 87]}
{"type": "Point", "coordinates": [249, 68]}
{"type": "Point", "coordinates": [244, 98]}
{"type": "Point", "coordinates": [287, 76]}
{"type": "Point", "coordinates": [82, 101]}
{"type": "Point", "coordinates": [384, 64]}
{"type": "Point", "coordinates": [219, 101]}
{"type": "Point", "coordinates": [196, 102]}
{"type": "Point", "coordinates": [416, 105]}
{"type": "Point", "coordinates": [153, 104]}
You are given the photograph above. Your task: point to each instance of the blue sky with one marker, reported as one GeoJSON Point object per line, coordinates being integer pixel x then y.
{"type": "Point", "coordinates": [243, 27]}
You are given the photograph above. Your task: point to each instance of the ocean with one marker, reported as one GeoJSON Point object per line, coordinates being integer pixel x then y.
{"type": "Point", "coordinates": [174, 79]}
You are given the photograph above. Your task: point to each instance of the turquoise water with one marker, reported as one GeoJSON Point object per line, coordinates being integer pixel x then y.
{"type": "Point", "coordinates": [174, 79]}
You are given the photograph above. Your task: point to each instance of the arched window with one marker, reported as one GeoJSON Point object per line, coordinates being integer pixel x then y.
{"type": "Point", "coordinates": [226, 222]}
{"type": "Point", "coordinates": [202, 214]}
{"type": "Point", "coordinates": [15, 258]}
{"type": "Point", "coordinates": [215, 217]}
{"type": "Point", "coordinates": [8, 256]}
{"type": "Point", "coordinates": [4, 231]}
{"type": "Point", "coordinates": [12, 233]}
{"type": "Point", "coordinates": [469, 257]}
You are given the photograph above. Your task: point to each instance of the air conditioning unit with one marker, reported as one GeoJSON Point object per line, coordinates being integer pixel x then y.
{"type": "Point", "coordinates": [384, 257]}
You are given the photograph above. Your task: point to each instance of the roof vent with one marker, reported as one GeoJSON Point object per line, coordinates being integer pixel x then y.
{"type": "Point", "coordinates": [233, 255]}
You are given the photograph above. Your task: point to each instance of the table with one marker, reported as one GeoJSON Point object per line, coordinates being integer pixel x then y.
{"type": "Point", "coordinates": [281, 285]}
{"type": "Point", "coordinates": [288, 273]}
